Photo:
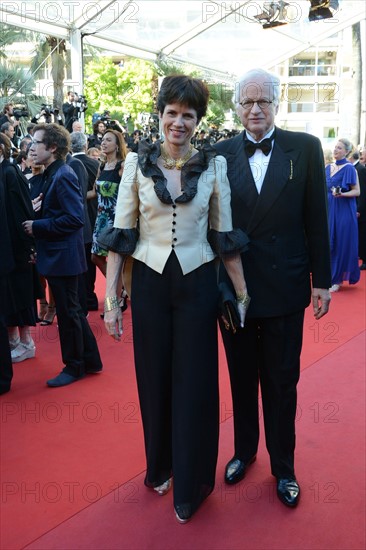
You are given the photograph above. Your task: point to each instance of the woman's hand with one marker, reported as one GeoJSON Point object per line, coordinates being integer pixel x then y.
{"type": "Point", "coordinates": [37, 202]}
{"type": "Point", "coordinates": [113, 323]}
{"type": "Point", "coordinates": [242, 304]}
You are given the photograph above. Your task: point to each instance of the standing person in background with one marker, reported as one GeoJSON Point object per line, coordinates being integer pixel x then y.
{"type": "Point", "coordinates": [78, 147]}
{"type": "Point", "coordinates": [24, 285]}
{"type": "Point", "coordinates": [8, 128]}
{"type": "Point", "coordinates": [70, 110]}
{"type": "Point", "coordinates": [99, 129]}
{"type": "Point", "coordinates": [107, 185]}
{"type": "Point", "coordinates": [343, 188]}
{"type": "Point", "coordinates": [361, 208]}
{"type": "Point", "coordinates": [7, 266]}
{"type": "Point", "coordinates": [60, 251]}
{"type": "Point", "coordinates": [175, 194]}
{"type": "Point", "coordinates": [278, 197]}
{"type": "Point", "coordinates": [363, 155]}
{"type": "Point", "coordinates": [328, 156]}
{"type": "Point", "coordinates": [8, 116]}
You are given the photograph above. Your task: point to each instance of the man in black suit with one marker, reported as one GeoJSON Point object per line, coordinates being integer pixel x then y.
{"type": "Point", "coordinates": [278, 197]}
{"type": "Point", "coordinates": [361, 206]}
{"type": "Point", "coordinates": [78, 146]}
{"type": "Point", "coordinates": [70, 110]}
{"type": "Point", "coordinates": [82, 176]}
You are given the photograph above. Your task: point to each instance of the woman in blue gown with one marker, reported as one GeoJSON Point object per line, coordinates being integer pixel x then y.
{"type": "Point", "coordinates": [343, 188]}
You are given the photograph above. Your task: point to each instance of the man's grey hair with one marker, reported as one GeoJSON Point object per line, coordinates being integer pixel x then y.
{"type": "Point", "coordinates": [6, 126]}
{"type": "Point", "coordinates": [78, 142]}
{"type": "Point", "coordinates": [272, 84]}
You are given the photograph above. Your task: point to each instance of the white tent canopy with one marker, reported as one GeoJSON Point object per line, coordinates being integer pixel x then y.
{"type": "Point", "coordinates": [221, 37]}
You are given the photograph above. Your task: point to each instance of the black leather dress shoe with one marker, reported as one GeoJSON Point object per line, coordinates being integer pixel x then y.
{"type": "Point", "coordinates": [235, 469]}
{"type": "Point", "coordinates": [288, 491]}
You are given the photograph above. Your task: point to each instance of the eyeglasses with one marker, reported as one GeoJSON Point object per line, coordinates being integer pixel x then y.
{"type": "Point", "coordinates": [36, 141]}
{"type": "Point", "coordinates": [262, 104]}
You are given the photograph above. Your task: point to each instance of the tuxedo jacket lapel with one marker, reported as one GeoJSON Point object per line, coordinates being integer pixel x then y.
{"type": "Point", "coordinates": [280, 172]}
{"type": "Point", "coordinates": [240, 174]}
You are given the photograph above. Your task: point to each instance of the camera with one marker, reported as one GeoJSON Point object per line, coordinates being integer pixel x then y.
{"type": "Point", "coordinates": [21, 112]}
{"type": "Point", "coordinates": [48, 110]}
{"type": "Point", "coordinates": [105, 117]}
{"type": "Point", "coordinates": [81, 103]}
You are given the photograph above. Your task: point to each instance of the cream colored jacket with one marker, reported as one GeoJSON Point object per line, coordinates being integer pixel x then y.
{"type": "Point", "coordinates": [181, 227]}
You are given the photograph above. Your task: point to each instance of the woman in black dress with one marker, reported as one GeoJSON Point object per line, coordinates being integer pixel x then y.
{"type": "Point", "coordinates": [23, 280]}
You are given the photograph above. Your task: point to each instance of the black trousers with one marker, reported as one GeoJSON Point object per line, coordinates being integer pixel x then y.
{"type": "Point", "coordinates": [266, 351]}
{"type": "Point", "coordinates": [6, 367]}
{"type": "Point", "coordinates": [79, 347]}
{"type": "Point", "coordinates": [90, 278]}
{"type": "Point", "coordinates": [362, 240]}
{"type": "Point", "coordinates": [176, 358]}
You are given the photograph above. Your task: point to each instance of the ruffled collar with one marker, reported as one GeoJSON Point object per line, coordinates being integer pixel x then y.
{"type": "Point", "coordinates": [148, 154]}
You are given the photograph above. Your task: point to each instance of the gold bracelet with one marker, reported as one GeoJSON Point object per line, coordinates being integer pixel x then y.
{"type": "Point", "coordinates": [110, 303]}
{"type": "Point", "coordinates": [243, 298]}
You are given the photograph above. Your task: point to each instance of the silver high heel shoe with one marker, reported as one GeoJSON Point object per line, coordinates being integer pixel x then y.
{"type": "Point", "coordinates": [164, 487]}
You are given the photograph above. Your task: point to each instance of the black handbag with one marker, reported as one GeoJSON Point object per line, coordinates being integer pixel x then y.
{"type": "Point", "coordinates": [228, 307]}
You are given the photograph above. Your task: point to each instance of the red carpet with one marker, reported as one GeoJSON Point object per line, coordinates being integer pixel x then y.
{"type": "Point", "coordinates": [72, 459]}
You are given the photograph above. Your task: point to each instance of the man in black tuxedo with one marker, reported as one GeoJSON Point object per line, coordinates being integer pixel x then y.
{"type": "Point", "coordinates": [79, 143]}
{"type": "Point", "coordinates": [278, 197]}
{"type": "Point", "coordinates": [361, 206]}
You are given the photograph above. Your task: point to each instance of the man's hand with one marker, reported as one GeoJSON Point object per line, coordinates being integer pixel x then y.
{"type": "Point", "coordinates": [321, 300]}
{"type": "Point", "coordinates": [28, 227]}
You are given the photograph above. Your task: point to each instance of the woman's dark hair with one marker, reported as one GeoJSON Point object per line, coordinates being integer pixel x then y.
{"type": "Point", "coordinates": [185, 90]}
{"type": "Point", "coordinates": [122, 149]}
{"type": "Point", "coordinates": [96, 124]}
{"type": "Point", "coordinates": [6, 143]}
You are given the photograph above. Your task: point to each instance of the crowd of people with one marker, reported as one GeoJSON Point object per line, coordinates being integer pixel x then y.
{"type": "Point", "coordinates": [196, 228]}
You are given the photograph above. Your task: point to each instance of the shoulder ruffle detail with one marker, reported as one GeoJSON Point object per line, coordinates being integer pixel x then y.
{"type": "Point", "coordinates": [191, 171]}
{"type": "Point", "coordinates": [122, 241]}
{"type": "Point", "coordinates": [228, 243]}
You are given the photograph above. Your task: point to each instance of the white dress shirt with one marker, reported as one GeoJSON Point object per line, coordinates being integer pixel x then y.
{"type": "Point", "coordinates": [259, 161]}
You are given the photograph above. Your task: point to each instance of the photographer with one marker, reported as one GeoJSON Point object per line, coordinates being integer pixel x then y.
{"type": "Point", "coordinates": [73, 108]}
{"type": "Point", "coordinates": [47, 115]}
{"type": "Point", "coordinates": [8, 115]}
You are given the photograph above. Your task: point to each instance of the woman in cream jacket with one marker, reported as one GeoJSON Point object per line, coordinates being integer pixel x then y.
{"type": "Point", "coordinates": [173, 217]}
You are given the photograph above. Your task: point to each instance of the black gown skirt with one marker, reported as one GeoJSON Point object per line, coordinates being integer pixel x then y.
{"type": "Point", "coordinates": [176, 359]}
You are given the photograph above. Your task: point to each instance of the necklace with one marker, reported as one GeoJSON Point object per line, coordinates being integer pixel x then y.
{"type": "Point", "coordinates": [110, 165]}
{"type": "Point", "coordinates": [171, 163]}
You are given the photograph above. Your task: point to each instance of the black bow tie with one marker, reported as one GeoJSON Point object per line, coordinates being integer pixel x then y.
{"type": "Point", "coordinates": [265, 146]}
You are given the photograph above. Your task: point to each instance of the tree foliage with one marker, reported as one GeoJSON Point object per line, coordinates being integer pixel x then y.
{"type": "Point", "coordinates": [131, 89]}
{"type": "Point", "coordinates": [123, 90]}
{"type": "Point", "coordinates": [16, 82]}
